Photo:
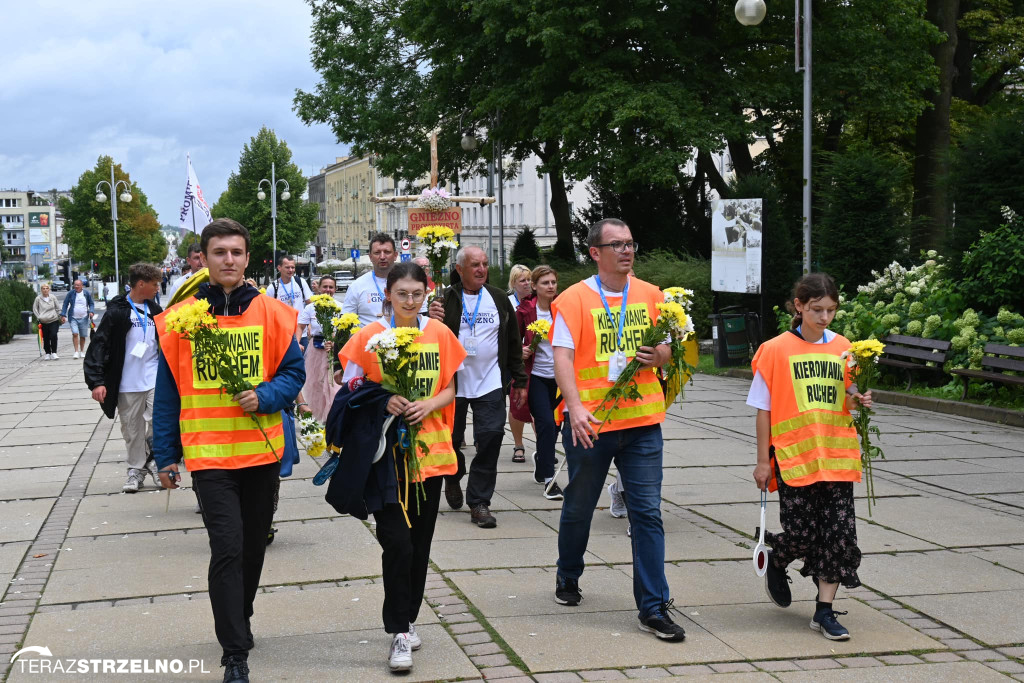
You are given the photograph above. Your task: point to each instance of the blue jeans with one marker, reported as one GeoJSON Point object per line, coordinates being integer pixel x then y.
{"type": "Point", "coordinates": [541, 398]}
{"type": "Point", "coordinates": [637, 453]}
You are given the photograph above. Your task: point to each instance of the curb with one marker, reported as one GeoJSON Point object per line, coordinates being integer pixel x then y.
{"type": "Point", "coordinates": [974, 411]}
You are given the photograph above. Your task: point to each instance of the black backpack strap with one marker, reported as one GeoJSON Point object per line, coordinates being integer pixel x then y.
{"type": "Point", "coordinates": [797, 333]}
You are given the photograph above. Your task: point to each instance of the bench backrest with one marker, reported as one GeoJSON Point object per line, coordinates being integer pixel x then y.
{"type": "Point", "coordinates": [993, 357]}
{"type": "Point", "coordinates": [917, 348]}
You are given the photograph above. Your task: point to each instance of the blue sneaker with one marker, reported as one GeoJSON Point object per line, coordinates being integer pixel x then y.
{"type": "Point", "coordinates": [825, 621]}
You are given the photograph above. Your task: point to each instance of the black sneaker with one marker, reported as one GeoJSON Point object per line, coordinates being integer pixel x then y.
{"type": "Point", "coordinates": [236, 669]}
{"type": "Point", "coordinates": [660, 624]}
{"type": "Point", "coordinates": [567, 591]}
{"type": "Point", "coordinates": [536, 469]}
{"type": "Point", "coordinates": [553, 492]}
{"type": "Point", "coordinates": [825, 621]}
{"type": "Point", "coordinates": [776, 583]}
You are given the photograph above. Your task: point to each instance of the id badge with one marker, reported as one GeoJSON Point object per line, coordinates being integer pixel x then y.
{"type": "Point", "coordinates": [139, 350]}
{"type": "Point", "coordinates": [616, 364]}
{"type": "Point", "coordinates": [470, 346]}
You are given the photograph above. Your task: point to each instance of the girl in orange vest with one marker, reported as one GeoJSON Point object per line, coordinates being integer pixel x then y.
{"type": "Point", "coordinates": [406, 545]}
{"type": "Point", "coordinates": [807, 448]}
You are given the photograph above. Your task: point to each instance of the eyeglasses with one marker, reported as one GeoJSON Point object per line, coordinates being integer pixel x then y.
{"type": "Point", "coordinates": [409, 296]}
{"type": "Point", "coordinates": [621, 247]}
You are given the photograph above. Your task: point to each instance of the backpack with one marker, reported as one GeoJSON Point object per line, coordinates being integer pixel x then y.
{"type": "Point", "coordinates": [298, 281]}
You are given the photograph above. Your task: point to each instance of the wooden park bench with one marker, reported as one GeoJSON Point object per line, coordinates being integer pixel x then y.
{"type": "Point", "coordinates": [913, 354]}
{"type": "Point", "coordinates": [998, 360]}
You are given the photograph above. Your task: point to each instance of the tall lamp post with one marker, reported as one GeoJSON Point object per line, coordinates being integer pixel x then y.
{"type": "Point", "coordinates": [751, 13]}
{"type": "Point", "coordinates": [125, 197]}
{"type": "Point", "coordinates": [261, 195]}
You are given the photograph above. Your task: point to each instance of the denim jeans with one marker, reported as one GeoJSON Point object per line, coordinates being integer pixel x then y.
{"type": "Point", "coordinates": [541, 398]}
{"type": "Point", "coordinates": [637, 453]}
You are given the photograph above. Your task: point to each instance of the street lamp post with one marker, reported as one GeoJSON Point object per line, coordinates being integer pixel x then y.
{"type": "Point", "coordinates": [125, 197]}
{"type": "Point", "coordinates": [750, 13]}
{"type": "Point", "coordinates": [261, 195]}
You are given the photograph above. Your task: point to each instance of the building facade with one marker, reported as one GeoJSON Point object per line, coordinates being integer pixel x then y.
{"type": "Point", "coordinates": [350, 218]}
{"type": "Point", "coordinates": [30, 227]}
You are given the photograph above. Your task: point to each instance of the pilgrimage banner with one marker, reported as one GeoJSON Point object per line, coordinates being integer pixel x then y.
{"type": "Point", "coordinates": [195, 212]}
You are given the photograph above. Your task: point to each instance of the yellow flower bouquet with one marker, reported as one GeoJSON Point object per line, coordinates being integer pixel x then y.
{"type": "Point", "coordinates": [862, 361]}
{"type": "Point", "coordinates": [195, 323]}
{"type": "Point", "coordinates": [540, 329]}
{"type": "Point", "coordinates": [439, 242]}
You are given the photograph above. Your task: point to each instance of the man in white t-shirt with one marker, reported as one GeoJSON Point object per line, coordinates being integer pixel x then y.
{"type": "Point", "coordinates": [120, 368]}
{"type": "Point", "coordinates": [290, 290]}
{"type": "Point", "coordinates": [484, 321]}
{"type": "Point", "coordinates": [365, 296]}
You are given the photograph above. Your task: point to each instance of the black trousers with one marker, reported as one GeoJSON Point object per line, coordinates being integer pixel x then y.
{"type": "Point", "coordinates": [238, 507]}
{"type": "Point", "coordinates": [50, 336]}
{"type": "Point", "coordinates": [488, 429]}
{"type": "Point", "coordinates": [406, 552]}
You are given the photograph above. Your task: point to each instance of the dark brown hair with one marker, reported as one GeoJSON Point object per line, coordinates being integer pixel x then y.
{"type": "Point", "coordinates": [809, 287]}
{"type": "Point", "coordinates": [406, 269]}
{"type": "Point", "coordinates": [223, 227]}
{"type": "Point", "coordinates": [144, 272]}
{"type": "Point", "coordinates": [541, 271]}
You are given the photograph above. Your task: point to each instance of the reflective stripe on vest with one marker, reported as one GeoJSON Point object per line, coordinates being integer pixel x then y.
{"type": "Point", "coordinates": [596, 332]}
{"type": "Point", "coordinates": [812, 431]}
{"type": "Point", "coordinates": [215, 432]}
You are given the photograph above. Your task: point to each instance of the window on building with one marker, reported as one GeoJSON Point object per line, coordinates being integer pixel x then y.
{"type": "Point", "coordinates": [522, 215]}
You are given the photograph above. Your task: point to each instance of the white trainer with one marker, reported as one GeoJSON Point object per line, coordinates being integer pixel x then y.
{"type": "Point", "coordinates": [76, 354]}
{"type": "Point", "coordinates": [46, 356]}
{"type": "Point", "coordinates": [134, 481]}
{"type": "Point", "coordinates": [414, 638]}
{"type": "Point", "coordinates": [54, 356]}
{"type": "Point", "coordinates": [618, 506]}
{"type": "Point", "coordinates": [400, 658]}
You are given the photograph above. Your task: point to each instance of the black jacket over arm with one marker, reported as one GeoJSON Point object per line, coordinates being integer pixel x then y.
{"type": "Point", "coordinates": [104, 359]}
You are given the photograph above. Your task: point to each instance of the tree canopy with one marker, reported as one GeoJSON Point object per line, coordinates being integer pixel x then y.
{"type": "Point", "coordinates": [297, 221]}
{"type": "Point", "coordinates": [89, 229]}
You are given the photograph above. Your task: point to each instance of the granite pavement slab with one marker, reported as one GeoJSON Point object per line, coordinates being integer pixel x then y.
{"type": "Point", "coordinates": [912, 673]}
{"type": "Point", "coordinates": [498, 553]}
{"type": "Point", "coordinates": [943, 571]}
{"type": "Point", "coordinates": [34, 482]}
{"type": "Point", "coordinates": [995, 617]}
{"type": "Point", "coordinates": [595, 640]}
{"type": "Point", "coordinates": [763, 631]}
{"type": "Point", "coordinates": [453, 526]}
{"type": "Point", "coordinates": [173, 562]}
{"type": "Point", "coordinates": [947, 522]}
{"type": "Point", "coordinates": [20, 520]}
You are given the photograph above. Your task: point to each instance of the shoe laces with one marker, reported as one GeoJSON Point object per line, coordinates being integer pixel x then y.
{"type": "Point", "coordinates": [401, 644]}
{"type": "Point", "coordinates": [663, 611]}
{"type": "Point", "coordinates": [831, 615]}
{"type": "Point", "coordinates": [236, 668]}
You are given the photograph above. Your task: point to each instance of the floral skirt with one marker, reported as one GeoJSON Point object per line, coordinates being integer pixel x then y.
{"type": "Point", "coordinates": [819, 526]}
{"type": "Point", "coordinates": [320, 388]}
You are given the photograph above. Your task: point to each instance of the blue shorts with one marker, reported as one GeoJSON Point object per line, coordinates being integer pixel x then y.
{"type": "Point", "coordinates": [79, 326]}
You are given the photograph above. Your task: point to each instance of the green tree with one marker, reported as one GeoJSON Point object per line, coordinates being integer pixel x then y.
{"type": "Point", "coordinates": [297, 221]}
{"type": "Point", "coordinates": [525, 250]}
{"type": "Point", "coordinates": [89, 230]}
{"type": "Point", "coordinates": [860, 197]}
{"type": "Point", "coordinates": [185, 242]}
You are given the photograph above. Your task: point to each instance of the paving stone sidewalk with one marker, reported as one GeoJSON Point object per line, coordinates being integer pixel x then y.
{"type": "Point", "coordinates": [91, 573]}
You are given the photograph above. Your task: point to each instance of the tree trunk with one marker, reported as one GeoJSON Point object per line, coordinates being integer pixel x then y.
{"type": "Point", "coordinates": [742, 162]}
{"type": "Point", "coordinates": [559, 203]}
{"type": "Point", "coordinates": [932, 210]}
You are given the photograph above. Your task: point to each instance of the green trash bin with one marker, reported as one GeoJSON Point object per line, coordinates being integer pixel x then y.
{"type": "Point", "coordinates": [731, 344]}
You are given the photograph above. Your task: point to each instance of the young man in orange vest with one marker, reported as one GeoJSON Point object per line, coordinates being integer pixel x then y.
{"type": "Point", "coordinates": [593, 341]}
{"type": "Point", "coordinates": [234, 471]}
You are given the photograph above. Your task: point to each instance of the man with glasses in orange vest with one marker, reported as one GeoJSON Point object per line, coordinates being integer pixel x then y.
{"type": "Point", "coordinates": [234, 471]}
{"type": "Point", "coordinates": [599, 323]}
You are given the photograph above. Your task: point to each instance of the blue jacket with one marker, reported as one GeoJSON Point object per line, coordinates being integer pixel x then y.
{"type": "Point", "coordinates": [69, 303]}
{"type": "Point", "coordinates": [276, 395]}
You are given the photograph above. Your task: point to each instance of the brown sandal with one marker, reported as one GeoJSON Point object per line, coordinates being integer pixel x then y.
{"type": "Point", "coordinates": [518, 454]}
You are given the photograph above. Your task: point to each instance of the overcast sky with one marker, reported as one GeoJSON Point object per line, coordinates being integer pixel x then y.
{"type": "Point", "coordinates": [146, 81]}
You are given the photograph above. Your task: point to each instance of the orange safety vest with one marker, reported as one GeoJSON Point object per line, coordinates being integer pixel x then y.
{"type": "Point", "coordinates": [440, 356]}
{"type": "Point", "coordinates": [594, 337]}
{"type": "Point", "coordinates": [215, 432]}
{"type": "Point", "coordinates": [812, 430]}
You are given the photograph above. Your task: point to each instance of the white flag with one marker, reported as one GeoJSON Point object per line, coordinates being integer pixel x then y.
{"type": "Point", "coordinates": [195, 212]}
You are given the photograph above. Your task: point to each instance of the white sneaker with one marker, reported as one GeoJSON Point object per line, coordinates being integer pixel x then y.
{"type": "Point", "coordinates": [618, 506]}
{"type": "Point", "coordinates": [414, 638]}
{"type": "Point", "coordinates": [46, 356]}
{"type": "Point", "coordinates": [76, 354]}
{"type": "Point", "coordinates": [54, 356]}
{"type": "Point", "coordinates": [400, 658]}
{"type": "Point", "coordinates": [134, 481]}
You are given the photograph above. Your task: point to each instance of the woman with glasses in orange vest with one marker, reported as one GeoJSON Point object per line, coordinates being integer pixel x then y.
{"type": "Point", "coordinates": [405, 534]}
{"type": "Point", "coordinates": [808, 450]}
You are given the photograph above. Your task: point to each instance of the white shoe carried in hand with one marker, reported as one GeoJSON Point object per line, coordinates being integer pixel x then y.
{"type": "Point", "coordinates": [400, 658]}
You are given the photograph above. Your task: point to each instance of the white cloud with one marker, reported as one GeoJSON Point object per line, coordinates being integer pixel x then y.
{"type": "Point", "coordinates": [148, 81]}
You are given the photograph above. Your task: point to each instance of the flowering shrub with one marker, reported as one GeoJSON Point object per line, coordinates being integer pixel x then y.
{"type": "Point", "coordinates": [922, 301]}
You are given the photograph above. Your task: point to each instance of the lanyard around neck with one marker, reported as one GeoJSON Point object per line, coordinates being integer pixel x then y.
{"type": "Point", "coordinates": [143, 315]}
{"type": "Point", "coordinates": [608, 310]}
{"type": "Point", "coordinates": [480, 296]}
